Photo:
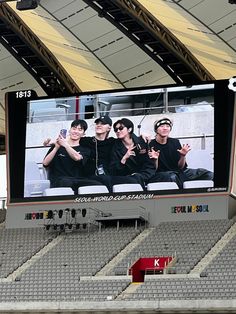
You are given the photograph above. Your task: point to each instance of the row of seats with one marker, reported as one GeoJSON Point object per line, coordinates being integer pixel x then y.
{"type": "Point", "coordinates": [128, 187]}
{"type": "Point", "coordinates": [37, 184]}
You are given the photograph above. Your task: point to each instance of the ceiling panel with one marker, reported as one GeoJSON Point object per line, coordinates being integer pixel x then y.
{"type": "Point", "coordinates": [188, 4]}
{"type": "Point", "coordinates": [109, 43]}
{"type": "Point", "coordinates": [87, 32]}
{"type": "Point", "coordinates": [13, 77]}
{"type": "Point", "coordinates": [110, 46]}
{"type": "Point", "coordinates": [224, 22]}
{"type": "Point", "coordinates": [229, 34]}
{"type": "Point", "coordinates": [233, 43]}
{"type": "Point", "coordinates": [70, 51]}
{"type": "Point", "coordinates": [131, 56]}
{"type": "Point", "coordinates": [217, 56]}
{"type": "Point", "coordinates": [210, 11]}
{"type": "Point", "coordinates": [75, 13]}
{"type": "Point", "coordinates": [58, 5]}
{"type": "Point", "coordinates": [144, 74]}
{"type": "Point", "coordinates": [218, 15]}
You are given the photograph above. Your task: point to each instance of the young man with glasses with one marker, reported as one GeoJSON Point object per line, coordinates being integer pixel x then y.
{"type": "Point", "coordinates": [129, 159]}
{"type": "Point", "coordinates": [98, 167]}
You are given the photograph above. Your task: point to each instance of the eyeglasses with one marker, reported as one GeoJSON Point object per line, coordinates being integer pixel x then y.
{"type": "Point", "coordinates": [120, 128]}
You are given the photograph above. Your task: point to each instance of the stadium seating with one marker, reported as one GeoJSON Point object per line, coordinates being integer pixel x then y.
{"type": "Point", "coordinates": [37, 266]}
{"type": "Point", "coordinates": [34, 183]}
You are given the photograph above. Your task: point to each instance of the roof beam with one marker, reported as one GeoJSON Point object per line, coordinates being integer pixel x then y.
{"type": "Point", "coordinates": [27, 48]}
{"type": "Point", "coordinates": [130, 17]}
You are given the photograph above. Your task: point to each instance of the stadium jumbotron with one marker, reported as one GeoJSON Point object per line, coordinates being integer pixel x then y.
{"type": "Point", "coordinates": [117, 149]}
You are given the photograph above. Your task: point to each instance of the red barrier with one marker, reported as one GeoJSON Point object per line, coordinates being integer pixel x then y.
{"type": "Point", "coordinates": [151, 265]}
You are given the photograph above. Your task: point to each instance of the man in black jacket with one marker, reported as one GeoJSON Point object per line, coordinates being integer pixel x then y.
{"type": "Point", "coordinates": [98, 167]}
{"type": "Point", "coordinates": [129, 159]}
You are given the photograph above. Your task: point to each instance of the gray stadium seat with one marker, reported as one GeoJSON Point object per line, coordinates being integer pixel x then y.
{"type": "Point", "coordinates": [198, 184]}
{"type": "Point", "coordinates": [34, 184]}
{"type": "Point", "coordinates": [127, 187]}
{"type": "Point", "coordinates": [93, 189]}
{"type": "Point", "coordinates": [162, 186]}
{"type": "Point", "coordinates": [58, 191]}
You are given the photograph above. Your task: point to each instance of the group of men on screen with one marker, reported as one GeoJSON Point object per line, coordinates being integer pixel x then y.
{"type": "Point", "coordinates": [78, 160]}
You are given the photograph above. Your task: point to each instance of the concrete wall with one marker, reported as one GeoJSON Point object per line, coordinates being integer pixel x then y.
{"type": "Point", "coordinates": [179, 208]}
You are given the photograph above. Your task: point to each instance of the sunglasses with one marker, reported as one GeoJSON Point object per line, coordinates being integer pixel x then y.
{"type": "Point", "coordinates": [120, 128]}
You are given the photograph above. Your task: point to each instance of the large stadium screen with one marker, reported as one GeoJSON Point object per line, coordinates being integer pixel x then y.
{"type": "Point", "coordinates": [152, 141]}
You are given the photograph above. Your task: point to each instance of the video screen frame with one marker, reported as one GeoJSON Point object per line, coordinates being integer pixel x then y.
{"type": "Point", "coordinates": [21, 116]}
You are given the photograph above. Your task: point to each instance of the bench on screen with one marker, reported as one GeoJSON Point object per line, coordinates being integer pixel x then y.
{"type": "Point", "coordinates": [127, 187]}
{"type": "Point", "coordinates": [155, 186]}
{"type": "Point", "coordinates": [58, 191]}
{"type": "Point", "coordinates": [198, 184]}
{"type": "Point", "coordinates": [93, 189]}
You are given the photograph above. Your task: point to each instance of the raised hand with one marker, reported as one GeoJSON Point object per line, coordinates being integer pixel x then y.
{"type": "Point", "coordinates": [184, 149]}
{"type": "Point", "coordinates": [61, 141]}
{"type": "Point", "coordinates": [47, 142]}
{"type": "Point", "coordinates": [130, 152]}
{"type": "Point", "coordinates": [153, 154]}
{"type": "Point", "coordinates": [146, 137]}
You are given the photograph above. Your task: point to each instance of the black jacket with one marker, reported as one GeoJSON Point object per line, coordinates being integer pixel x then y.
{"type": "Point", "coordinates": [100, 153]}
{"type": "Point", "coordinates": [139, 164]}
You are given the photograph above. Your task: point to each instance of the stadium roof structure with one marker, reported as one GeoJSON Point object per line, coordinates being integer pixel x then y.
{"type": "Point", "coordinates": [69, 46]}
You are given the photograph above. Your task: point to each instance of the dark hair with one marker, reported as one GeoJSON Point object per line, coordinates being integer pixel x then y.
{"type": "Point", "coordinates": [125, 122]}
{"type": "Point", "coordinates": [83, 124]}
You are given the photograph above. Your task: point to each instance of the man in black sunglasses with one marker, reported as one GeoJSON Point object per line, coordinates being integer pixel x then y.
{"type": "Point", "coordinates": [129, 159]}
{"type": "Point", "coordinates": [101, 145]}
